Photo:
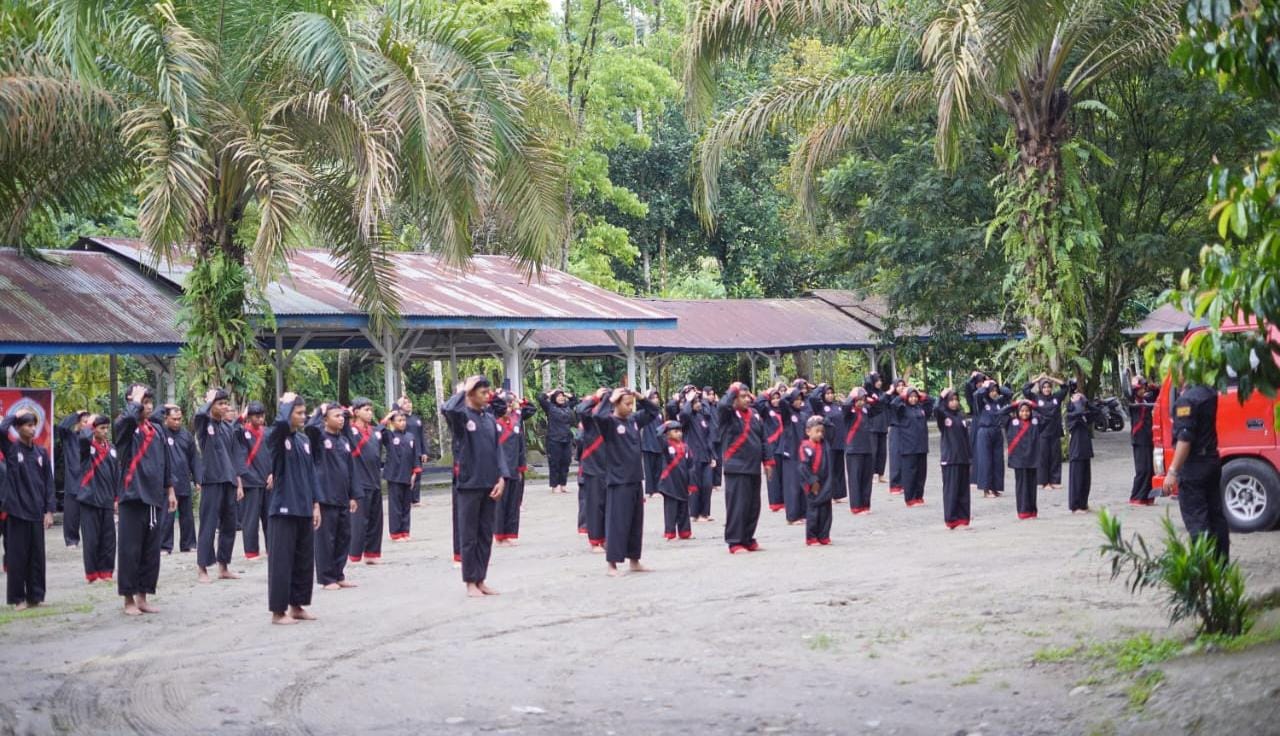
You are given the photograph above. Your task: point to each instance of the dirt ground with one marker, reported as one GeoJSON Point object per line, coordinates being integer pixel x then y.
{"type": "Point", "coordinates": [899, 627]}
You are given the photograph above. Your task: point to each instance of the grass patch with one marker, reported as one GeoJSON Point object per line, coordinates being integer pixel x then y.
{"type": "Point", "coordinates": [973, 679]}
{"type": "Point", "coordinates": [8, 615]}
{"type": "Point", "coordinates": [1254, 638]}
{"type": "Point", "coordinates": [1053, 655]}
{"type": "Point", "coordinates": [1142, 688]}
{"type": "Point", "coordinates": [1131, 655]}
{"type": "Point", "coordinates": [822, 642]}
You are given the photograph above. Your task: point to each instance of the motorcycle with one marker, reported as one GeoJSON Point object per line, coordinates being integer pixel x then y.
{"type": "Point", "coordinates": [1108, 415]}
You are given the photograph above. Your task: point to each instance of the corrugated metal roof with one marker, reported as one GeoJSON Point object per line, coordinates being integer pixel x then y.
{"type": "Point", "coordinates": [873, 310]}
{"type": "Point", "coordinates": [93, 304]}
{"type": "Point", "coordinates": [1163, 319]}
{"type": "Point", "coordinates": [728, 326]}
{"type": "Point", "coordinates": [491, 292]}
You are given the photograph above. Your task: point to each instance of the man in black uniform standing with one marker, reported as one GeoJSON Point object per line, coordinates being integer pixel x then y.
{"type": "Point", "coordinates": [1196, 471]}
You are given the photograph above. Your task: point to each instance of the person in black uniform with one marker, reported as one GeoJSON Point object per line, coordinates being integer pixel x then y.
{"type": "Point", "coordinates": [953, 433]}
{"type": "Point", "coordinates": [676, 484]}
{"type": "Point", "coordinates": [68, 436]}
{"type": "Point", "coordinates": [254, 462]}
{"type": "Point", "coordinates": [823, 404]}
{"type": "Point", "coordinates": [335, 491]}
{"type": "Point", "coordinates": [1079, 453]}
{"type": "Point", "coordinates": [742, 447]}
{"type": "Point", "coordinates": [860, 410]}
{"type": "Point", "coordinates": [96, 480]}
{"type": "Point", "coordinates": [418, 432]}
{"type": "Point", "coordinates": [795, 413]}
{"type": "Point", "coordinates": [591, 470]}
{"type": "Point", "coordinates": [1023, 431]}
{"type": "Point", "coordinates": [294, 515]}
{"type": "Point", "coordinates": [185, 463]}
{"type": "Point", "coordinates": [220, 487]}
{"type": "Point", "coordinates": [815, 465]}
{"type": "Point", "coordinates": [767, 406]}
{"type": "Point", "coordinates": [1195, 474]}
{"type": "Point", "coordinates": [652, 446]}
{"type": "Point", "coordinates": [401, 465]}
{"type": "Point", "coordinates": [990, 410]}
{"type": "Point", "coordinates": [366, 456]}
{"type": "Point", "coordinates": [619, 417]}
{"type": "Point", "coordinates": [1049, 396]}
{"type": "Point", "coordinates": [912, 409]}
{"type": "Point", "coordinates": [1142, 401]}
{"type": "Point", "coordinates": [560, 421]}
{"type": "Point", "coordinates": [146, 493]}
{"type": "Point", "coordinates": [695, 430]}
{"type": "Point", "coordinates": [874, 386]}
{"type": "Point", "coordinates": [482, 469]}
{"type": "Point", "coordinates": [29, 503]}
{"type": "Point", "coordinates": [512, 413]}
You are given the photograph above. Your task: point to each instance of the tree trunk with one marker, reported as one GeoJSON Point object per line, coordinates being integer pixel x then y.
{"type": "Point", "coordinates": [344, 377]}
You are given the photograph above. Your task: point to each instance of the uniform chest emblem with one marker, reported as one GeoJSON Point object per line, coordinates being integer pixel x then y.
{"type": "Point", "coordinates": [20, 457]}
{"type": "Point", "coordinates": [328, 444]}
{"type": "Point", "coordinates": [795, 418]}
{"type": "Point", "coordinates": [113, 452]}
{"type": "Point", "coordinates": [40, 460]}
{"type": "Point", "coordinates": [346, 446]}
{"type": "Point", "coordinates": [306, 448]}
{"type": "Point", "coordinates": [288, 444]}
{"type": "Point", "coordinates": [209, 429]}
{"type": "Point", "coordinates": [248, 435]}
{"type": "Point", "coordinates": [471, 425]}
{"type": "Point", "coordinates": [395, 441]}
{"type": "Point", "coordinates": [171, 442]}
{"type": "Point", "coordinates": [671, 450]}
{"type": "Point", "coordinates": [949, 422]}
{"type": "Point", "coordinates": [622, 429]}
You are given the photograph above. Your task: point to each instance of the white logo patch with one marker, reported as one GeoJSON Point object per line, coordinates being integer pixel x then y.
{"type": "Point", "coordinates": [20, 458]}
{"type": "Point", "coordinates": [795, 418]}
{"type": "Point", "coordinates": [171, 442]}
{"type": "Point", "coordinates": [948, 421]}
{"type": "Point", "coordinates": [40, 460]}
{"type": "Point", "coordinates": [209, 429]}
{"type": "Point", "coordinates": [307, 448]}
{"type": "Point", "coordinates": [622, 429]}
{"type": "Point", "coordinates": [471, 425]}
{"type": "Point", "coordinates": [346, 446]}
{"type": "Point", "coordinates": [113, 452]}
{"type": "Point", "coordinates": [516, 429]}
{"type": "Point", "coordinates": [248, 435]}
{"type": "Point", "coordinates": [395, 441]}
{"type": "Point", "coordinates": [93, 450]}
{"type": "Point", "coordinates": [288, 444]}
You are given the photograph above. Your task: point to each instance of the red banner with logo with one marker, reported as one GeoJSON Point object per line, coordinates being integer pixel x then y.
{"type": "Point", "coordinates": [39, 401]}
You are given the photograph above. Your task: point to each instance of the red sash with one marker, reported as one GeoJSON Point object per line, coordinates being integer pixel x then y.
{"type": "Point", "coordinates": [732, 449]}
{"type": "Point", "coordinates": [680, 453]}
{"type": "Point", "coordinates": [148, 434]}
{"type": "Point", "coordinates": [257, 443]}
{"type": "Point", "coordinates": [101, 457]}
{"type": "Point", "coordinates": [1013, 444]}
{"type": "Point", "coordinates": [854, 429]}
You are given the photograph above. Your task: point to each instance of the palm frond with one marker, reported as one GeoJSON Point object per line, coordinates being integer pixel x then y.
{"type": "Point", "coordinates": [362, 256]}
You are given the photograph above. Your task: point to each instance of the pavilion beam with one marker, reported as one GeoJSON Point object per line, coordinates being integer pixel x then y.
{"type": "Point", "coordinates": [113, 378]}
{"type": "Point", "coordinates": [644, 371]}
{"type": "Point", "coordinates": [627, 346]}
{"type": "Point", "coordinates": [280, 366]}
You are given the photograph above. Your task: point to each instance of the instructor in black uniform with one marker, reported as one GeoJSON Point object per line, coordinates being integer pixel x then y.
{"type": "Point", "coordinates": [1196, 471]}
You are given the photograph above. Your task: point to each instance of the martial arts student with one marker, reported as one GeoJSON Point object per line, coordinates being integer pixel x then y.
{"type": "Point", "coordinates": [96, 478]}
{"type": "Point", "coordinates": [1079, 453]}
{"type": "Point", "coordinates": [482, 467]}
{"type": "Point", "coordinates": [512, 413]}
{"type": "Point", "coordinates": [67, 435]}
{"type": "Point", "coordinates": [1049, 395]}
{"type": "Point", "coordinates": [767, 407]}
{"type": "Point", "coordinates": [817, 481]}
{"type": "Point", "coordinates": [676, 484]}
{"type": "Point", "coordinates": [401, 464]}
{"type": "Point", "coordinates": [795, 413]}
{"type": "Point", "coordinates": [1024, 430]}
{"type": "Point", "coordinates": [619, 417]}
{"type": "Point", "coordinates": [185, 464]}
{"type": "Point", "coordinates": [29, 503]}
{"type": "Point", "coordinates": [559, 442]}
{"type": "Point", "coordinates": [651, 443]}
{"type": "Point", "coordinates": [912, 409]}
{"type": "Point", "coordinates": [991, 405]}
{"type": "Point", "coordinates": [860, 411]}
{"type": "Point", "coordinates": [591, 470]}
{"type": "Point", "coordinates": [953, 434]}
{"type": "Point", "coordinates": [366, 455]}
{"type": "Point", "coordinates": [895, 441]}
{"type": "Point", "coordinates": [418, 431]}
{"type": "Point", "coordinates": [335, 492]}
{"type": "Point", "coordinates": [1142, 400]}
{"type": "Point", "coordinates": [742, 448]}
{"type": "Point", "coordinates": [219, 485]}
{"type": "Point", "coordinates": [709, 403]}
{"type": "Point", "coordinates": [294, 515]}
{"type": "Point", "coordinates": [822, 402]}
{"type": "Point", "coordinates": [147, 494]}
{"type": "Point", "coordinates": [695, 431]}
{"type": "Point", "coordinates": [255, 463]}
{"type": "Point", "coordinates": [874, 386]}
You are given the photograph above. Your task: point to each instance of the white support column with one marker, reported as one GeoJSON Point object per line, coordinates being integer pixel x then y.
{"type": "Point", "coordinates": [627, 346]}
{"type": "Point", "coordinates": [437, 373]}
{"type": "Point", "coordinates": [546, 376]}
{"type": "Point", "coordinates": [644, 372]}
{"type": "Point", "coordinates": [752, 358]}
{"type": "Point", "coordinates": [774, 359]}
{"type": "Point", "coordinates": [453, 363]}
{"type": "Point", "coordinates": [280, 366]}
{"type": "Point", "coordinates": [893, 363]}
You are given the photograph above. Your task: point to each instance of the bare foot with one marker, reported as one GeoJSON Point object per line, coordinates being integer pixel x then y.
{"type": "Point", "coordinates": [130, 607]}
{"type": "Point", "coordinates": [203, 577]}
{"type": "Point", "coordinates": [348, 584]}
{"type": "Point", "coordinates": [613, 571]}
{"type": "Point", "coordinates": [457, 565]}
{"type": "Point", "coordinates": [331, 586]}
{"type": "Point", "coordinates": [145, 606]}
{"type": "Point", "coordinates": [21, 606]}
{"type": "Point", "coordinates": [299, 613]}
{"type": "Point", "coordinates": [512, 543]}
{"type": "Point", "coordinates": [597, 549]}
{"type": "Point", "coordinates": [225, 573]}
{"type": "Point", "coordinates": [474, 591]}
{"type": "Point", "coordinates": [637, 567]}
{"type": "Point", "coordinates": [486, 589]}
{"type": "Point", "coordinates": [281, 619]}
{"type": "Point", "coordinates": [372, 561]}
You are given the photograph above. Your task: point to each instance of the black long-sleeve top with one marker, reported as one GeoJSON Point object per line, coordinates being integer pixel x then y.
{"type": "Point", "coordinates": [1079, 419]}
{"type": "Point", "coordinates": [97, 474]}
{"type": "Point", "coordinates": [184, 459]}
{"type": "Point", "coordinates": [992, 413]}
{"type": "Point", "coordinates": [335, 480]}
{"type": "Point", "coordinates": [560, 420]}
{"type": "Point", "coordinates": [366, 458]}
{"type": "Point", "coordinates": [479, 459]}
{"type": "Point", "coordinates": [696, 428]}
{"type": "Point", "coordinates": [29, 495]}
{"type": "Point", "coordinates": [651, 439]}
{"type": "Point", "coordinates": [953, 433]}
{"type": "Point", "coordinates": [674, 481]}
{"type": "Point", "coordinates": [913, 425]}
{"type": "Point", "coordinates": [253, 455]}
{"type": "Point", "coordinates": [401, 455]}
{"type": "Point", "coordinates": [859, 434]}
{"type": "Point", "coordinates": [591, 458]}
{"type": "Point", "coordinates": [833, 416]}
{"type": "Point", "coordinates": [1023, 436]}
{"type": "Point", "coordinates": [293, 485]}
{"type": "Point", "coordinates": [793, 421]}
{"type": "Point", "coordinates": [741, 437]}
{"type": "Point", "coordinates": [814, 459]}
{"type": "Point", "coordinates": [513, 440]}
{"type": "Point", "coordinates": [1048, 408]}
{"type": "Point", "coordinates": [67, 444]}
{"type": "Point", "coordinates": [144, 454]}
{"type": "Point", "coordinates": [216, 440]}
{"type": "Point", "coordinates": [622, 442]}
{"type": "Point", "coordinates": [1140, 416]}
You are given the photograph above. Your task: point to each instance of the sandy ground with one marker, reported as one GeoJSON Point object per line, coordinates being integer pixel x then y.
{"type": "Point", "coordinates": [899, 627]}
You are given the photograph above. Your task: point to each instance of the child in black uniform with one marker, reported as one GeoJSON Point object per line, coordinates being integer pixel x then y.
{"type": "Point", "coordinates": [953, 433]}
{"type": "Point", "coordinates": [29, 504]}
{"type": "Point", "coordinates": [861, 410]}
{"type": "Point", "coordinates": [912, 408]}
{"type": "Point", "coordinates": [676, 484]}
{"type": "Point", "coordinates": [619, 419]}
{"type": "Point", "coordinates": [401, 464]}
{"type": "Point", "coordinates": [293, 513]}
{"type": "Point", "coordinates": [1024, 431]}
{"type": "Point", "coordinates": [512, 414]}
{"type": "Point", "coordinates": [814, 462]}
{"type": "Point", "coordinates": [482, 471]}
{"type": "Point", "coordinates": [97, 480]}
{"type": "Point", "coordinates": [1079, 453]}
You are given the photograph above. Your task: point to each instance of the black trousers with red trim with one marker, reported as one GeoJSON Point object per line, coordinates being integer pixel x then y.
{"type": "Point", "coordinates": [291, 552]}
{"type": "Point", "coordinates": [817, 520]}
{"type": "Point", "coordinates": [366, 527]}
{"type": "Point", "coordinates": [250, 514]}
{"type": "Point", "coordinates": [70, 518]}
{"type": "Point", "coordinates": [895, 461]}
{"type": "Point", "coordinates": [138, 570]}
{"type": "Point", "coordinates": [217, 520]}
{"type": "Point", "coordinates": [24, 559]}
{"type": "Point", "coordinates": [97, 541]}
{"type": "Point", "coordinates": [700, 502]}
{"type": "Point", "coordinates": [399, 507]}
{"type": "Point", "coordinates": [955, 494]}
{"type": "Point", "coordinates": [1079, 483]}
{"type": "Point", "coordinates": [1144, 471]}
{"type": "Point", "coordinates": [558, 454]}
{"type": "Point", "coordinates": [675, 516]}
{"type": "Point", "coordinates": [624, 522]}
{"type": "Point", "coordinates": [1049, 453]}
{"type": "Point", "coordinates": [858, 471]}
{"type": "Point", "coordinates": [881, 451]}
{"type": "Point", "coordinates": [988, 459]}
{"type": "Point", "coordinates": [742, 508]}
{"type": "Point", "coordinates": [773, 489]}
{"type": "Point", "coordinates": [838, 475]}
{"type": "Point", "coordinates": [793, 497]}
{"type": "Point", "coordinates": [595, 502]}
{"type": "Point", "coordinates": [475, 532]}
{"type": "Point", "coordinates": [506, 521]}
{"type": "Point", "coordinates": [332, 542]}
{"type": "Point", "coordinates": [1025, 488]}
{"type": "Point", "coordinates": [653, 462]}
{"type": "Point", "coordinates": [582, 505]}
{"type": "Point", "coordinates": [915, 470]}
{"type": "Point", "coordinates": [186, 523]}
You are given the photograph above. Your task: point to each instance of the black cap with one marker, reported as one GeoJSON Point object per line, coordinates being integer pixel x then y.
{"type": "Point", "coordinates": [668, 426]}
{"type": "Point", "coordinates": [101, 419]}
{"type": "Point", "coordinates": [255, 408]}
{"type": "Point", "coordinates": [220, 394]}
{"type": "Point", "coordinates": [24, 419]}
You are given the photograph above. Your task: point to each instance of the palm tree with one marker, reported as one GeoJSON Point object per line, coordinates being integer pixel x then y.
{"type": "Point", "coordinates": [1029, 61]}
{"type": "Point", "coordinates": [249, 127]}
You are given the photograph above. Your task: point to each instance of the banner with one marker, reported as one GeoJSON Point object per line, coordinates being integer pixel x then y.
{"type": "Point", "coordinates": [38, 400]}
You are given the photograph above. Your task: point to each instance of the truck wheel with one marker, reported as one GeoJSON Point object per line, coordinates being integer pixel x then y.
{"type": "Point", "coordinates": [1250, 495]}
{"type": "Point", "coordinates": [1117, 422]}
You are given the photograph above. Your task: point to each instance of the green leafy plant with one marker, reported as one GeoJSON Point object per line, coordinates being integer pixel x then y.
{"type": "Point", "coordinates": [1197, 581]}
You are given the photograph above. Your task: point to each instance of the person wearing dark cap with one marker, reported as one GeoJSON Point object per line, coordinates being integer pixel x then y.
{"type": "Point", "coordinates": [953, 434]}
{"type": "Point", "coordinates": [294, 514]}
{"type": "Point", "coordinates": [709, 403]}
{"type": "Point", "coordinates": [1024, 458]}
{"type": "Point", "coordinates": [823, 404]}
{"type": "Point", "coordinates": [619, 417]}
{"type": "Point", "coordinates": [817, 481]}
{"type": "Point", "coordinates": [560, 421]}
{"type": "Point", "coordinates": [695, 430]}
{"type": "Point", "coordinates": [29, 503]}
{"type": "Point", "coordinates": [675, 483]}
{"type": "Point", "coordinates": [874, 386]}
{"type": "Point", "coordinates": [417, 431]}
{"type": "Point", "coordinates": [482, 469]}
{"type": "Point", "coordinates": [255, 462]}
{"type": "Point", "coordinates": [366, 456]}
{"type": "Point", "coordinates": [767, 407]}
{"type": "Point", "coordinates": [652, 445]}
{"type": "Point", "coordinates": [146, 494]}
{"type": "Point", "coordinates": [860, 410]}
{"type": "Point", "coordinates": [67, 434]}
{"type": "Point", "coordinates": [512, 413]}
{"type": "Point", "coordinates": [401, 464]}
{"type": "Point", "coordinates": [219, 485]}
{"type": "Point", "coordinates": [95, 476]}
{"type": "Point", "coordinates": [742, 447]}
{"type": "Point", "coordinates": [186, 471]}
{"type": "Point", "coordinates": [592, 470]}
{"type": "Point", "coordinates": [335, 492]}
{"type": "Point", "coordinates": [912, 409]}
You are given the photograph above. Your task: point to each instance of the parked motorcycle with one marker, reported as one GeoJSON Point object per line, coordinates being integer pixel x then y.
{"type": "Point", "coordinates": [1108, 414]}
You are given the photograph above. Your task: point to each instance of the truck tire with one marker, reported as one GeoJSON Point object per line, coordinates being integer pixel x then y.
{"type": "Point", "coordinates": [1250, 495]}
